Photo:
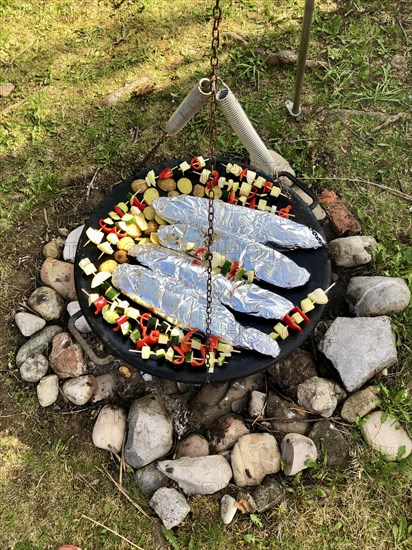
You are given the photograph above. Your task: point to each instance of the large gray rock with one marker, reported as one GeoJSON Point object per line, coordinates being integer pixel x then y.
{"type": "Point", "coordinates": [352, 251]}
{"type": "Point", "coordinates": [70, 246]}
{"type": "Point", "coordinates": [170, 506]}
{"type": "Point", "coordinates": [319, 396]}
{"type": "Point", "coordinates": [67, 358]}
{"type": "Point", "coordinates": [192, 446]}
{"type": "Point", "coordinates": [268, 494]}
{"type": "Point", "coordinates": [285, 416]}
{"type": "Point", "coordinates": [38, 343]}
{"type": "Point", "coordinates": [330, 442]}
{"type": "Point", "coordinates": [28, 324]}
{"type": "Point", "coordinates": [59, 276]}
{"type": "Point", "coordinates": [212, 402]}
{"type": "Point", "coordinates": [359, 348]}
{"type": "Point", "coordinates": [253, 457]}
{"type": "Point", "coordinates": [48, 390]}
{"type": "Point", "coordinates": [47, 303]}
{"type": "Point", "coordinates": [109, 428]}
{"type": "Point", "coordinates": [226, 431]}
{"type": "Point", "coordinates": [34, 368]}
{"type": "Point", "coordinates": [203, 475]}
{"type": "Point", "coordinates": [80, 390]}
{"type": "Point", "coordinates": [149, 479]}
{"type": "Point", "coordinates": [150, 433]}
{"type": "Point", "coordinates": [387, 436]}
{"type": "Point", "coordinates": [360, 404]}
{"type": "Point", "coordinates": [292, 371]}
{"type": "Point", "coordinates": [372, 296]}
{"type": "Point", "coordinates": [297, 450]}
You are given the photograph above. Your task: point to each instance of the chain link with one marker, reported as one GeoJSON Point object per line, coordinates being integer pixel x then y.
{"type": "Point", "coordinates": [214, 63]}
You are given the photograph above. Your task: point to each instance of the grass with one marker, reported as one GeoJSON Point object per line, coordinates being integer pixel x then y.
{"type": "Point", "coordinates": [72, 55]}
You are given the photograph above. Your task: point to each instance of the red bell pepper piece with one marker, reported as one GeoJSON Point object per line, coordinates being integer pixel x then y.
{"type": "Point", "coordinates": [179, 360]}
{"type": "Point", "coordinates": [99, 303]}
{"type": "Point", "coordinates": [297, 309]}
{"type": "Point", "coordinates": [233, 269]}
{"type": "Point", "coordinates": [252, 203]}
{"type": "Point", "coordinates": [284, 212]}
{"type": "Point", "coordinates": [138, 204]}
{"type": "Point", "coordinates": [267, 187]}
{"type": "Point", "coordinates": [232, 196]}
{"type": "Point", "coordinates": [166, 174]}
{"type": "Point", "coordinates": [199, 251]}
{"type": "Point", "coordinates": [195, 164]}
{"type": "Point", "coordinates": [153, 337]}
{"type": "Point", "coordinates": [188, 336]}
{"type": "Point", "coordinates": [212, 342]}
{"type": "Point", "coordinates": [200, 362]}
{"type": "Point", "coordinates": [118, 211]}
{"type": "Point", "coordinates": [213, 179]}
{"type": "Point", "coordinates": [104, 227]}
{"type": "Point", "coordinates": [119, 322]}
{"type": "Point", "coordinates": [143, 327]}
{"type": "Point", "coordinates": [253, 194]}
{"type": "Point", "coordinates": [289, 322]}
{"type": "Point", "coordinates": [149, 340]}
{"type": "Point", "coordinates": [242, 174]}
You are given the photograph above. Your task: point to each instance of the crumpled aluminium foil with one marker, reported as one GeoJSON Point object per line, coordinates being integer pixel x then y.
{"type": "Point", "coordinates": [239, 295]}
{"type": "Point", "coordinates": [263, 227]}
{"type": "Point", "coordinates": [184, 307]}
{"type": "Point", "coordinates": [268, 264]}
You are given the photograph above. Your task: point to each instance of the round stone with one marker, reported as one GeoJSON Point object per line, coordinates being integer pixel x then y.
{"type": "Point", "coordinates": [34, 368]}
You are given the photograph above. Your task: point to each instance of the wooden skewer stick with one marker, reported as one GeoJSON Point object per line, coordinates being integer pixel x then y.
{"type": "Point", "coordinates": [330, 287]}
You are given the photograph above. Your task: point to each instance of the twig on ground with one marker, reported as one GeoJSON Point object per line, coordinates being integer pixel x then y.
{"type": "Point", "coordinates": [11, 107]}
{"type": "Point", "coordinates": [403, 30]}
{"type": "Point", "coordinates": [82, 478]}
{"type": "Point", "coordinates": [91, 183]}
{"type": "Point", "coordinates": [41, 479]}
{"type": "Point", "coordinates": [234, 36]}
{"type": "Point", "coordinates": [390, 120]}
{"type": "Point", "coordinates": [111, 531]}
{"type": "Point", "coordinates": [356, 133]}
{"type": "Point", "coordinates": [123, 491]}
{"type": "Point", "coordinates": [10, 63]}
{"type": "Point", "coordinates": [358, 180]}
{"type": "Point", "coordinates": [46, 219]}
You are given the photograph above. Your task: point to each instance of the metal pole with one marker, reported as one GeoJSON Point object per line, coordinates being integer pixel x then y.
{"type": "Point", "coordinates": [295, 109]}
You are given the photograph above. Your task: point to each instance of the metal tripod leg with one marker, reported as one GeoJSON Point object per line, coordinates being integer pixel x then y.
{"type": "Point", "coordinates": [294, 107]}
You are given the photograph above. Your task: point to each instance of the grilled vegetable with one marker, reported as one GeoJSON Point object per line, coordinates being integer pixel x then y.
{"type": "Point", "coordinates": [139, 186]}
{"type": "Point", "coordinates": [167, 184]}
{"type": "Point", "coordinates": [185, 186]}
{"type": "Point", "coordinates": [108, 265]}
{"type": "Point", "coordinates": [99, 278]}
{"type": "Point", "coordinates": [150, 195]}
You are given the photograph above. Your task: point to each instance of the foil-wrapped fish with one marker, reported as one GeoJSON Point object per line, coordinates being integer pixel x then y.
{"type": "Point", "coordinates": [263, 227]}
{"type": "Point", "coordinates": [239, 295]}
{"type": "Point", "coordinates": [268, 264]}
{"type": "Point", "coordinates": [181, 305]}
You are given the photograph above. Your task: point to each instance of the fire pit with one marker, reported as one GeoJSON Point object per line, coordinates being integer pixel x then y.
{"type": "Point", "coordinates": [316, 262]}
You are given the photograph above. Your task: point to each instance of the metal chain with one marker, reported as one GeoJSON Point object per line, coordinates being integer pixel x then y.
{"type": "Point", "coordinates": [214, 62]}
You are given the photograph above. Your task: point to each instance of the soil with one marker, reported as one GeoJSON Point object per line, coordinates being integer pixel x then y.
{"type": "Point", "coordinates": [25, 253]}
